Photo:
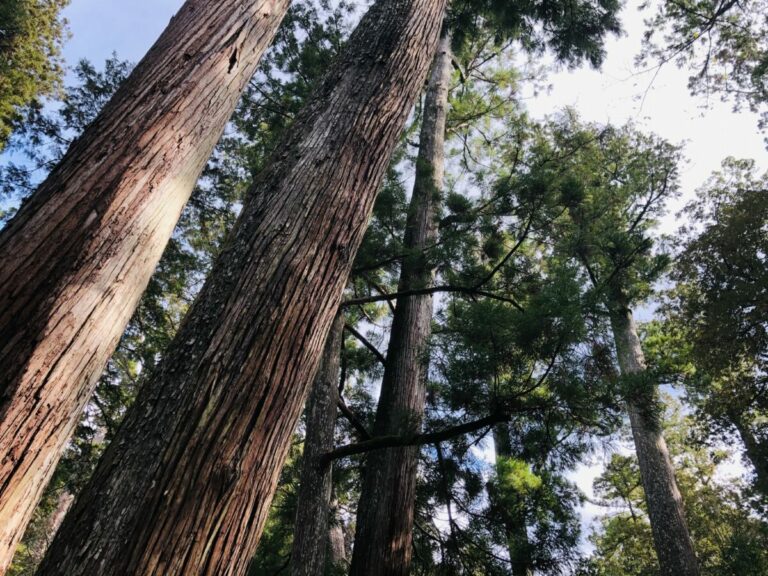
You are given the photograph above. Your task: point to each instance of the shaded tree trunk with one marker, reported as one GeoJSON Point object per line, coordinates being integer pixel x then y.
{"type": "Point", "coordinates": [672, 541]}
{"type": "Point", "coordinates": [337, 543]}
{"type": "Point", "coordinates": [80, 252]}
{"type": "Point", "coordinates": [185, 486]}
{"type": "Point", "coordinates": [384, 534]}
{"type": "Point", "coordinates": [312, 528]}
{"type": "Point", "coordinates": [515, 527]}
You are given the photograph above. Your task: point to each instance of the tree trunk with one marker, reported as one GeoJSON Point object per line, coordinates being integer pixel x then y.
{"type": "Point", "coordinates": [185, 486]}
{"type": "Point", "coordinates": [665, 504]}
{"type": "Point", "coordinates": [80, 252]}
{"type": "Point", "coordinates": [311, 531]}
{"type": "Point", "coordinates": [384, 534]}
{"type": "Point", "coordinates": [515, 527]}
{"type": "Point", "coordinates": [337, 548]}
{"type": "Point", "coordinates": [756, 452]}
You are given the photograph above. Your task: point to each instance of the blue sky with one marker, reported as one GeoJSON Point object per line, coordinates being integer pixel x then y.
{"type": "Point", "coordinates": [612, 94]}
{"type": "Point", "coordinates": [100, 27]}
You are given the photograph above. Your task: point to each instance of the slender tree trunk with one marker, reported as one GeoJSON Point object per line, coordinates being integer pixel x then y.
{"type": "Point", "coordinates": [672, 541]}
{"type": "Point", "coordinates": [311, 530]}
{"type": "Point", "coordinates": [515, 527]}
{"type": "Point", "coordinates": [80, 252]}
{"type": "Point", "coordinates": [451, 564]}
{"type": "Point", "coordinates": [384, 535]}
{"type": "Point", "coordinates": [185, 486]}
{"type": "Point", "coordinates": [756, 452]}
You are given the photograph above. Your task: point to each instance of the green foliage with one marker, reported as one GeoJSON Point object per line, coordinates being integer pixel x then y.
{"type": "Point", "coordinates": [613, 184]}
{"type": "Point", "coordinates": [31, 33]}
{"type": "Point", "coordinates": [716, 314]}
{"type": "Point", "coordinates": [574, 31]}
{"type": "Point", "coordinates": [723, 43]}
{"type": "Point", "coordinates": [728, 539]}
{"type": "Point", "coordinates": [48, 129]}
{"type": "Point", "coordinates": [722, 268]}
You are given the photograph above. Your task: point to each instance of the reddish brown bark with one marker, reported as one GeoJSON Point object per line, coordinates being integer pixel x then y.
{"type": "Point", "coordinates": [81, 250]}
{"type": "Point", "coordinates": [311, 534]}
{"type": "Point", "coordinates": [384, 534]}
{"type": "Point", "coordinates": [185, 486]}
{"type": "Point", "coordinates": [672, 541]}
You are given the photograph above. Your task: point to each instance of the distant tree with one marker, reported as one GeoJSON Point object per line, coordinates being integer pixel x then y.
{"type": "Point", "coordinates": [718, 312]}
{"type": "Point", "coordinates": [575, 32]}
{"type": "Point", "coordinates": [31, 35]}
{"type": "Point", "coordinates": [611, 185]}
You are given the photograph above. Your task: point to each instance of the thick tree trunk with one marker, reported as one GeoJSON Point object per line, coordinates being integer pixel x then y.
{"type": "Point", "coordinates": [515, 527]}
{"type": "Point", "coordinates": [79, 253]}
{"type": "Point", "coordinates": [756, 452]}
{"type": "Point", "coordinates": [311, 531]}
{"type": "Point", "coordinates": [185, 486]}
{"type": "Point", "coordinates": [672, 541]}
{"type": "Point", "coordinates": [385, 511]}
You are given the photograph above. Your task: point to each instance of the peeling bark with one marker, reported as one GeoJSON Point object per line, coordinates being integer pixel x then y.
{"type": "Point", "coordinates": [672, 541]}
{"type": "Point", "coordinates": [312, 527]}
{"type": "Point", "coordinates": [80, 252]}
{"type": "Point", "coordinates": [185, 486]}
{"type": "Point", "coordinates": [384, 535]}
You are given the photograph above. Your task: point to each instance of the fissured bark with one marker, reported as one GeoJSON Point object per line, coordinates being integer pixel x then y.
{"type": "Point", "coordinates": [384, 533]}
{"type": "Point", "coordinates": [311, 534]}
{"type": "Point", "coordinates": [185, 486]}
{"type": "Point", "coordinates": [80, 252]}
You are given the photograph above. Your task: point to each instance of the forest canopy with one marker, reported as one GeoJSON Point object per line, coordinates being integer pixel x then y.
{"type": "Point", "coordinates": [331, 287]}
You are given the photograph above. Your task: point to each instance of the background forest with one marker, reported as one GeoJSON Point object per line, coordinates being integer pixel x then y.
{"type": "Point", "coordinates": [550, 352]}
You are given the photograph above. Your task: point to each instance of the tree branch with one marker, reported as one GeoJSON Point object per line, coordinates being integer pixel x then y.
{"type": "Point", "coordinates": [469, 290]}
{"type": "Point", "coordinates": [414, 439]}
{"type": "Point", "coordinates": [353, 420]}
{"type": "Point", "coordinates": [364, 341]}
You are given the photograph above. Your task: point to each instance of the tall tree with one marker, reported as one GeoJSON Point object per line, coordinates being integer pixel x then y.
{"type": "Point", "coordinates": [613, 186]}
{"type": "Point", "coordinates": [385, 512]}
{"type": "Point", "coordinates": [187, 482]}
{"type": "Point", "coordinates": [383, 538]}
{"type": "Point", "coordinates": [78, 255]}
{"type": "Point", "coordinates": [31, 33]}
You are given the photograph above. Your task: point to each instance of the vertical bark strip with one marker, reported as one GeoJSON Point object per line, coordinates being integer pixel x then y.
{"type": "Point", "coordinates": [185, 487]}
{"type": "Point", "coordinates": [311, 535]}
{"type": "Point", "coordinates": [515, 527]}
{"type": "Point", "coordinates": [80, 252]}
{"type": "Point", "coordinates": [672, 541]}
{"type": "Point", "coordinates": [337, 549]}
{"type": "Point", "coordinates": [386, 508]}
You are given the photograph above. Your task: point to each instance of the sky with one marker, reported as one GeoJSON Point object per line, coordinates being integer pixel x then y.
{"type": "Point", "coordinates": [613, 94]}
